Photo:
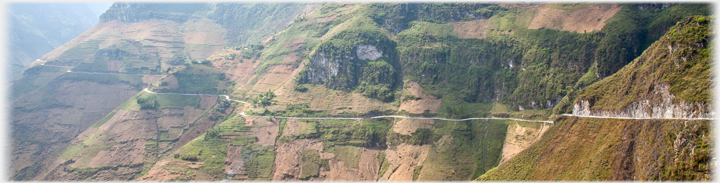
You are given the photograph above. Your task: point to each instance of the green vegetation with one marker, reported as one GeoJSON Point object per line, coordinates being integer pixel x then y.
{"type": "Point", "coordinates": [569, 7]}
{"type": "Point", "coordinates": [475, 147]}
{"type": "Point", "coordinates": [384, 165]}
{"type": "Point", "coordinates": [76, 54]}
{"type": "Point", "coordinates": [685, 70]}
{"type": "Point", "coordinates": [621, 150]}
{"type": "Point", "coordinates": [350, 155]}
{"type": "Point", "coordinates": [397, 16]}
{"type": "Point", "coordinates": [131, 55]}
{"type": "Point", "coordinates": [105, 118]}
{"type": "Point", "coordinates": [264, 99]}
{"type": "Point", "coordinates": [310, 164]}
{"type": "Point", "coordinates": [452, 107]}
{"type": "Point", "coordinates": [416, 173]}
{"type": "Point", "coordinates": [374, 78]}
{"type": "Point", "coordinates": [306, 129]}
{"type": "Point", "coordinates": [261, 165]}
{"type": "Point", "coordinates": [367, 133]}
{"type": "Point", "coordinates": [476, 70]}
{"type": "Point", "coordinates": [133, 80]}
{"type": "Point", "coordinates": [177, 101]}
{"type": "Point", "coordinates": [282, 126]}
{"type": "Point", "coordinates": [70, 151]}
{"type": "Point", "coordinates": [209, 151]}
{"type": "Point", "coordinates": [252, 22]}
{"type": "Point", "coordinates": [34, 78]}
{"type": "Point", "coordinates": [199, 79]}
{"type": "Point", "coordinates": [543, 114]}
{"type": "Point", "coordinates": [129, 104]}
{"type": "Point", "coordinates": [300, 88]}
{"type": "Point", "coordinates": [147, 102]}
{"type": "Point", "coordinates": [507, 69]}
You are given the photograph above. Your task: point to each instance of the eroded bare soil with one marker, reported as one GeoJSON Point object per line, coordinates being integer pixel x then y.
{"type": "Point", "coordinates": [583, 20]}
{"type": "Point", "coordinates": [476, 29]}
{"type": "Point", "coordinates": [409, 126]}
{"type": "Point", "coordinates": [403, 160]}
{"type": "Point", "coordinates": [519, 138]}
{"type": "Point", "coordinates": [425, 102]}
{"type": "Point", "coordinates": [56, 125]}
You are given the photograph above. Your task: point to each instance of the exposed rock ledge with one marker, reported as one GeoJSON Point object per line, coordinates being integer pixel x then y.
{"type": "Point", "coordinates": [368, 52]}
{"type": "Point", "coordinates": [660, 107]}
{"type": "Point", "coordinates": [323, 67]}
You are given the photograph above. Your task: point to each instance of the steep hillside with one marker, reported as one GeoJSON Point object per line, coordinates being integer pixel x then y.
{"type": "Point", "coordinates": [106, 151]}
{"type": "Point", "coordinates": [514, 63]}
{"type": "Point", "coordinates": [612, 149]}
{"type": "Point", "coordinates": [669, 80]}
{"type": "Point", "coordinates": [45, 119]}
{"type": "Point", "coordinates": [332, 91]}
{"type": "Point", "coordinates": [36, 29]}
{"type": "Point", "coordinates": [75, 85]}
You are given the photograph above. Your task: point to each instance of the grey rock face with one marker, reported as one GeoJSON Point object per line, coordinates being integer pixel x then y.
{"type": "Point", "coordinates": [368, 52]}
{"type": "Point", "coordinates": [322, 68]}
{"type": "Point", "coordinates": [660, 107]}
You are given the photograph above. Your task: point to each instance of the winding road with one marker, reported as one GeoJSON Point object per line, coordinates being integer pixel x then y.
{"type": "Point", "coordinates": [198, 94]}
{"type": "Point", "coordinates": [113, 73]}
{"type": "Point", "coordinates": [606, 117]}
{"type": "Point", "coordinates": [108, 73]}
{"type": "Point", "coordinates": [402, 117]}
{"type": "Point", "coordinates": [351, 118]}
{"type": "Point", "coordinates": [372, 117]}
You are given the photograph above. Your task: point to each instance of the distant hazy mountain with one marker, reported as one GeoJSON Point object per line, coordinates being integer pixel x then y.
{"type": "Point", "coordinates": [36, 29]}
{"type": "Point", "coordinates": [99, 8]}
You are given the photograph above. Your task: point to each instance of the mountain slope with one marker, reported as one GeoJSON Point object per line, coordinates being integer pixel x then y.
{"type": "Point", "coordinates": [86, 78]}
{"type": "Point", "coordinates": [337, 60]}
{"type": "Point", "coordinates": [672, 79]}
{"type": "Point", "coordinates": [578, 148]}
{"type": "Point", "coordinates": [611, 149]}
{"type": "Point", "coordinates": [39, 28]}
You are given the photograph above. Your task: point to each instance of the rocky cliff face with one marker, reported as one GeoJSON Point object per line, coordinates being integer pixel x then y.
{"type": "Point", "coordinates": [323, 67]}
{"type": "Point", "coordinates": [368, 52]}
{"type": "Point", "coordinates": [137, 12]}
{"type": "Point", "coordinates": [350, 69]}
{"type": "Point", "coordinates": [671, 79]}
{"type": "Point", "coordinates": [659, 106]}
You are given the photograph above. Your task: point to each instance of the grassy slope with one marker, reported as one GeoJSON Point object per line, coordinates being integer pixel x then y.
{"type": "Point", "coordinates": [196, 78]}
{"type": "Point", "coordinates": [610, 149]}
{"type": "Point", "coordinates": [211, 149]}
{"type": "Point", "coordinates": [686, 69]}
{"type": "Point", "coordinates": [476, 147]}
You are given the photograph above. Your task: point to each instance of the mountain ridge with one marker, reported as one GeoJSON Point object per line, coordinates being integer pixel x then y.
{"type": "Point", "coordinates": [435, 61]}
